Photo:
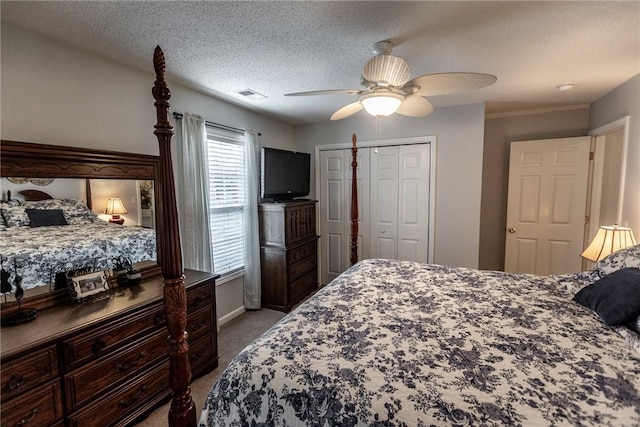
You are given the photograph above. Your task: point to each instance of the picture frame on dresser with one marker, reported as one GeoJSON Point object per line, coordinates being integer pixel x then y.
{"type": "Point", "coordinates": [89, 286]}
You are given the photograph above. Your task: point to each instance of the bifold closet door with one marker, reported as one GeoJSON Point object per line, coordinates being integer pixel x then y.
{"type": "Point", "coordinates": [399, 202]}
{"type": "Point", "coordinates": [334, 207]}
{"type": "Point", "coordinates": [393, 205]}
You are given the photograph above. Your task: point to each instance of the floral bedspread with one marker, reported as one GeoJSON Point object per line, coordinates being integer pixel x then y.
{"type": "Point", "coordinates": [37, 254]}
{"type": "Point", "coordinates": [404, 344]}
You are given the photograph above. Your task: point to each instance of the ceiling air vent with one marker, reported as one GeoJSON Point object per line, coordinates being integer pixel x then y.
{"type": "Point", "coordinates": [251, 94]}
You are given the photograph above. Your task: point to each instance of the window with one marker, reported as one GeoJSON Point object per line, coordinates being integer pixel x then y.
{"type": "Point", "coordinates": [227, 196]}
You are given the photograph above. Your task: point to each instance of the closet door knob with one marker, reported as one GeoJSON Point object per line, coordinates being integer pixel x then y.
{"type": "Point", "coordinates": [512, 230]}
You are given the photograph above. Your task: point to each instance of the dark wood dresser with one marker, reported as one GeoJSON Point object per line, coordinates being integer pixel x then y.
{"type": "Point", "coordinates": [103, 363]}
{"type": "Point", "coordinates": [288, 252]}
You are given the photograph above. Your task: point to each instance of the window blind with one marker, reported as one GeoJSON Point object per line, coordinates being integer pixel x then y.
{"type": "Point", "coordinates": [227, 196]}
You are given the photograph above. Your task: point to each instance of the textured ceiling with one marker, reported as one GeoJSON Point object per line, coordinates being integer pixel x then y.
{"type": "Point", "coordinates": [279, 47]}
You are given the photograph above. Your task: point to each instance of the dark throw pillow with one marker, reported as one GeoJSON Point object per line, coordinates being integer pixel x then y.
{"type": "Point", "coordinates": [615, 297]}
{"type": "Point", "coordinates": [46, 217]}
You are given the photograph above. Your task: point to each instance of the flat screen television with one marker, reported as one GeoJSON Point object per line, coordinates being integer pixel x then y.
{"type": "Point", "coordinates": [284, 174]}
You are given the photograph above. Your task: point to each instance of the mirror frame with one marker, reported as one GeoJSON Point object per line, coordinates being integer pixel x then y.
{"type": "Point", "coordinates": [29, 159]}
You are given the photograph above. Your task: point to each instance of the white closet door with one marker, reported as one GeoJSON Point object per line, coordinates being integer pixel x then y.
{"type": "Point", "coordinates": [335, 211]}
{"type": "Point", "coordinates": [400, 202]}
{"type": "Point", "coordinates": [413, 202]}
{"type": "Point", "coordinates": [334, 214]}
{"type": "Point", "coordinates": [384, 203]}
{"type": "Point", "coordinates": [393, 205]}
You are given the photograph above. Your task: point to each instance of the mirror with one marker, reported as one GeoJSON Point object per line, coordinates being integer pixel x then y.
{"type": "Point", "coordinates": [136, 199]}
{"type": "Point", "coordinates": [93, 176]}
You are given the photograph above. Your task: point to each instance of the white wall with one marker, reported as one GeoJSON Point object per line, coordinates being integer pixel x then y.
{"type": "Point", "coordinates": [55, 94]}
{"type": "Point", "coordinates": [620, 102]}
{"type": "Point", "coordinates": [459, 133]}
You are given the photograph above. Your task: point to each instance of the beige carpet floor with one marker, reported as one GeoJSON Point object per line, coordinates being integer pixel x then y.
{"type": "Point", "coordinates": [233, 337]}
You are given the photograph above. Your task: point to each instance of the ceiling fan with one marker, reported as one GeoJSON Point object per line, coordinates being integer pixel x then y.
{"type": "Point", "coordinates": [389, 90]}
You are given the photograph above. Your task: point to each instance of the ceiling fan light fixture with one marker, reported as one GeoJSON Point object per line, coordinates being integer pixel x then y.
{"type": "Point", "coordinates": [381, 104]}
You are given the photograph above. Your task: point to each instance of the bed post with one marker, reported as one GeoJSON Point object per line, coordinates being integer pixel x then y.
{"type": "Point", "coordinates": [354, 201]}
{"type": "Point", "coordinates": [87, 191]}
{"type": "Point", "coordinates": [183, 411]}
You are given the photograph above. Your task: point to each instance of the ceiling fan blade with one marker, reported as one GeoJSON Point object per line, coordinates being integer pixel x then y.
{"type": "Point", "coordinates": [445, 83]}
{"type": "Point", "coordinates": [347, 111]}
{"type": "Point", "coordinates": [326, 92]}
{"type": "Point", "coordinates": [415, 106]}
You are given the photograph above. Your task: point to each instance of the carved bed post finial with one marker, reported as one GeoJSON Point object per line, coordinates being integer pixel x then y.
{"type": "Point", "coordinates": [183, 410]}
{"type": "Point", "coordinates": [354, 201]}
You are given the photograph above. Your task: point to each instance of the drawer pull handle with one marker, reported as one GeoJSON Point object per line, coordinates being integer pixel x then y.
{"type": "Point", "coordinates": [198, 355]}
{"type": "Point", "coordinates": [15, 381]}
{"type": "Point", "coordinates": [159, 318]}
{"type": "Point", "coordinates": [28, 418]}
{"type": "Point", "coordinates": [98, 346]}
{"type": "Point", "coordinates": [197, 301]}
{"type": "Point", "coordinates": [198, 326]}
{"type": "Point", "coordinates": [123, 367]}
{"type": "Point", "coordinates": [126, 403]}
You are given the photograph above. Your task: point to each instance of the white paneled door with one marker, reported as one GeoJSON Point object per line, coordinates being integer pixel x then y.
{"type": "Point", "coordinates": [393, 203]}
{"type": "Point", "coordinates": [546, 205]}
{"type": "Point", "coordinates": [335, 199]}
{"type": "Point", "coordinates": [400, 202]}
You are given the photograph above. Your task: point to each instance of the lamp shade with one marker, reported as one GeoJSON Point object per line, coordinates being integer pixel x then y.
{"type": "Point", "coordinates": [115, 207]}
{"type": "Point", "coordinates": [381, 104]}
{"type": "Point", "coordinates": [608, 240]}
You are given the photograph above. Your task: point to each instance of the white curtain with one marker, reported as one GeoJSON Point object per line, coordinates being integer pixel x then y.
{"type": "Point", "coordinates": [193, 194]}
{"type": "Point", "coordinates": [252, 292]}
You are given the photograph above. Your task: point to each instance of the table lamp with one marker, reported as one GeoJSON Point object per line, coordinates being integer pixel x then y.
{"type": "Point", "coordinates": [115, 208]}
{"type": "Point", "coordinates": [609, 239]}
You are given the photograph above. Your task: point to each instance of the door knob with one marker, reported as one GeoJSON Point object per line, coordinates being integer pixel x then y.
{"type": "Point", "coordinates": [512, 230]}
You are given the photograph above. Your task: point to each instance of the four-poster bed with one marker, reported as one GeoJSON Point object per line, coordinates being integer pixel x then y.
{"type": "Point", "coordinates": [402, 343]}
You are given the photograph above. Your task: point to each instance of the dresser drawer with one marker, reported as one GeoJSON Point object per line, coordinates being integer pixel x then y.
{"type": "Point", "coordinates": [39, 407]}
{"type": "Point", "coordinates": [199, 296]}
{"type": "Point", "coordinates": [202, 354]}
{"type": "Point", "coordinates": [302, 267]}
{"type": "Point", "coordinates": [85, 383]}
{"type": "Point", "coordinates": [303, 287]}
{"type": "Point", "coordinates": [199, 323]}
{"type": "Point", "coordinates": [29, 371]}
{"type": "Point", "coordinates": [110, 409]}
{"type": "Point", "coordinates": [94, 344]}
{"type": "Point", "coordinates": [300, 222]}
{"type": "Point", "coordinates": [302, 251]}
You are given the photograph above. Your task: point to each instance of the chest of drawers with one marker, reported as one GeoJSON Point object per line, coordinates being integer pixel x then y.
{"type": "Point", "coordinates": [288, 253]}
{"type": "Point", "coordinates": [103, 363]}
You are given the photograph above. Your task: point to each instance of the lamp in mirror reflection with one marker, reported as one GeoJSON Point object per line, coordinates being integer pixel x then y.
{"type": "Point", "coordinates": [609, 238]}
{"type": "Point", "coordinates": [115, 208]}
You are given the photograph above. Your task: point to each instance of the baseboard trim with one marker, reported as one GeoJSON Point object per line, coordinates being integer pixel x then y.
{"type": "Point", "coordinates": [228, 317]}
